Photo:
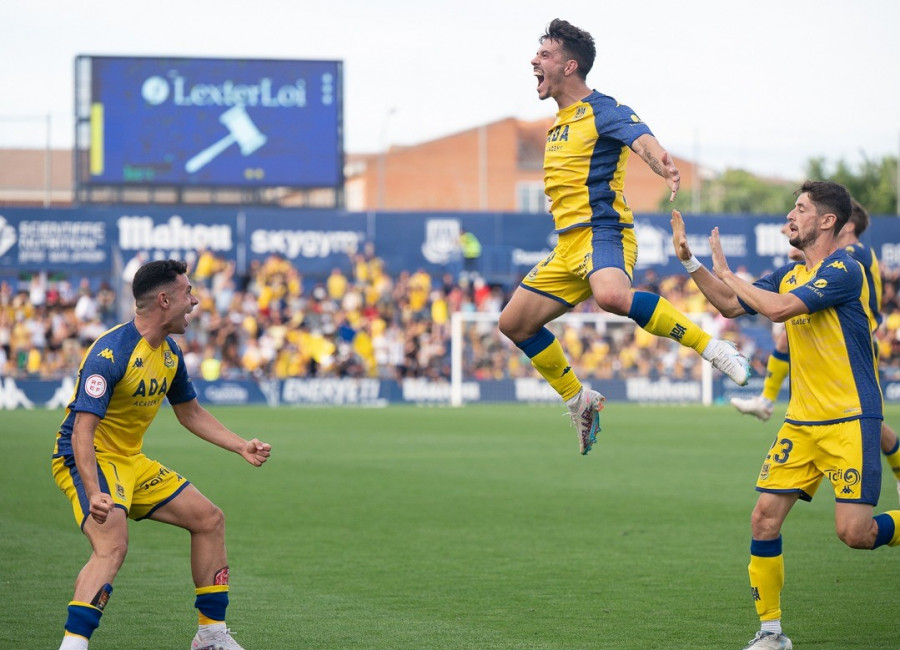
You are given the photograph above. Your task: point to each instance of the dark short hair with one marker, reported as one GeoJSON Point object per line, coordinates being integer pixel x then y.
{"type": "Point", "coordinates": [829, 196]}
{"type": "Point", "coordinates": [153, 275]}
{"type": "Point", "coordinates": [576, 43]}
{"type": "Point", "coordinates": [859, 217]}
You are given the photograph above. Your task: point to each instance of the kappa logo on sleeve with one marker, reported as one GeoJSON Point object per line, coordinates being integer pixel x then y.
{"type": "Point", "coordinates": [106, 353]}
{"type": "Point", "coordinates": [95, 386]}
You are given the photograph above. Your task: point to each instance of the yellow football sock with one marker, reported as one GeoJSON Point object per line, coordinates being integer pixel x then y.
{"type": "Point", "coordinates": [668, 322]}
{"type": "Point", "coordinates": [553, 365]}
{"type": "Point", "coordinates": [777, 368]}
{"type": "Point", "coordinates": [766, 571]}
{"type": "Point", "coordinates": [211, 603]}
{"type": "Point", "coordinates": [893, 455]}
{"type": "Point", "coordinates": [894, 462]}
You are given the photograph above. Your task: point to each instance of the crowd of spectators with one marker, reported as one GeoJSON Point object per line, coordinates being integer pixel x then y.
{"type": "Point", "coordinates": [271, 322]}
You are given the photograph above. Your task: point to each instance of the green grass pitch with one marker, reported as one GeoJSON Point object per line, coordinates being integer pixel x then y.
{"type": "Point", "coordinates": [479, 527]}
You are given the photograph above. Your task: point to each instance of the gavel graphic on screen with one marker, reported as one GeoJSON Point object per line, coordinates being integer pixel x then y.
{"type": "Point", "coordinates": [241, 130]}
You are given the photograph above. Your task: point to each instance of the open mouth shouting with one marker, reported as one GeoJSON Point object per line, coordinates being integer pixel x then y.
{"type": "Point", "coordinates": [542, 86]}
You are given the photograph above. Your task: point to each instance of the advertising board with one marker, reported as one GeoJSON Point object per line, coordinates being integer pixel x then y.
{"type": "Point", "coordinates": [211, 122]}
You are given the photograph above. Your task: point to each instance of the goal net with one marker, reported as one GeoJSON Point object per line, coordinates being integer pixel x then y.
{"type": "Point", "coordinates": [608, 353]}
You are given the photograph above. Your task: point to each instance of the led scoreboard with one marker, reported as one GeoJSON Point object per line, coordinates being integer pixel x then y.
{"type": "Point", "coordinates": [144, 121]}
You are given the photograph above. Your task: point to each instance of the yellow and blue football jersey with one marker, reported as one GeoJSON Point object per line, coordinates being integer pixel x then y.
{"type": "Point", "coordinates": [584, 162]}
{"type": "Point", "coordinates": [866, 256]}
{"type": "Point", "coordinates": [123, 380]}
{"type": "Point", "coordinates": [834, 374]}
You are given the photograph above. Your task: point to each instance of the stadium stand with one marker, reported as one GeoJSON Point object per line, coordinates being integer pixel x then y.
{"type": "Point", "coordinates": [269, 323]}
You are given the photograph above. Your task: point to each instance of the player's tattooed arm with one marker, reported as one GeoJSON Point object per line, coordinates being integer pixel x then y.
{"type": "Point", "coordinates": [659, 160]}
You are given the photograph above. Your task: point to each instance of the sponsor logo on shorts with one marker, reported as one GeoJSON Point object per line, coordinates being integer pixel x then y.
{"type": "Point", "coordinates": [850, 477]}
{"type": "Point", "coordinates": [95, 385]}
{"type": "Point", "coordinates": [156, 480]}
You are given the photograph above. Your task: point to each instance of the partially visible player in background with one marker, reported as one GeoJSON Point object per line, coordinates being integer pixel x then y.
{"type": "Point", "coordinates": [584, 176]}
{"type": "Point", "coordinates": [97, 460]}
{"type": "Point", "coordinates": [778, 365]}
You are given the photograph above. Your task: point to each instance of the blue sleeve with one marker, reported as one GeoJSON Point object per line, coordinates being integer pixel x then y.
{"type": "Point", "coordinates": [768, 282]}
{"type": "Point", "coordinates": [621, 123]}
{"type": "Point", "coordinates": [837, 281]}
{"type": "Point", "coordinates": [101, 370]}
{"type": "Point", "coordinates": [182, 389]}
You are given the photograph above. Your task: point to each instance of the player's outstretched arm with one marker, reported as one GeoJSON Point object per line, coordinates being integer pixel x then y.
{"type": "Point", "coordinates": [659, 160]}
{"type": "Point", "coordinates": [717, 292]}
{"type": "Point", "coordinates": [777, 307]}
{"type": "Point", "coordinates": [205, 425]}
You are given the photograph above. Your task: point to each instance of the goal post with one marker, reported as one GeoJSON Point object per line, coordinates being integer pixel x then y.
{"type": "Point", "coordinates": [610, 326]}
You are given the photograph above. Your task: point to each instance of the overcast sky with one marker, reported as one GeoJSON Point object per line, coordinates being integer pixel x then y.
{"type": "Point", "coordinates": [761, 85]}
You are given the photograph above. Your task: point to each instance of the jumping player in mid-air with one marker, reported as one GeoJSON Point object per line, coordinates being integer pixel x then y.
{"type": "Point", "coordinates": [584, 174]}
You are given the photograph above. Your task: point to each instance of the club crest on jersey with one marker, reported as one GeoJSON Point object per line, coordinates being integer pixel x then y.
{"type": "Point", "coordinates": [106, 353]}
{"type": "Point", "coordinates": [168, 359]}
{"type": "Point", "coordinates": [580, 112]}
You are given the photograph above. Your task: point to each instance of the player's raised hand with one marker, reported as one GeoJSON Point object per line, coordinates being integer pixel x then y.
{"type": "Point", "coordinates": [720, 264]}
{"type": "Point", "coordinates": [679, 237]}
{"type": "Point", "coordinates": [101, 505]}
{"type": "Point", "coordinates": [673, 176]}
{"type": "Point", "coordinates": [256, 452]}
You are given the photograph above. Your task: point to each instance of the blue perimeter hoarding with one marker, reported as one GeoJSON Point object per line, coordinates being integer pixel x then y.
{"type": "Point", "coordinates": [214, 122]}
{"type": "Point", "coordinates": [345, 392]}
{"type": "Point", "coordinates": [96, 241]}
{"type": "Point", "coordinates": [91, 241]}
